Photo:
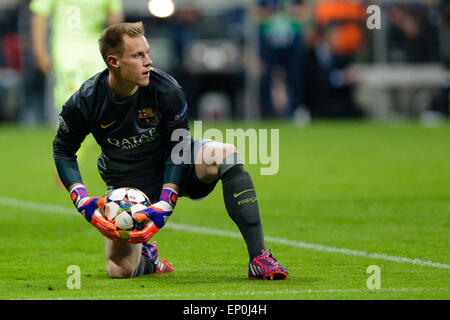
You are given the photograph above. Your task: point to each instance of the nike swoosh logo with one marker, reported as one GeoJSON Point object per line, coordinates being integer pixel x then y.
{"type": "Point", "coordinates": [104, 126]}
{"type": "Point", "coordinates": [238, 194]}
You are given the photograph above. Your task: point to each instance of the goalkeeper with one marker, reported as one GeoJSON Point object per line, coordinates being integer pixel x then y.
{"type": "Point", "coordinates": [133, 111]}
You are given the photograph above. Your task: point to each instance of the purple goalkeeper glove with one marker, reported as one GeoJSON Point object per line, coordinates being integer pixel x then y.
{"type": "Point", "coordinates": [87, 205]}
{"type": "Point", "coordinates": [161, 210]}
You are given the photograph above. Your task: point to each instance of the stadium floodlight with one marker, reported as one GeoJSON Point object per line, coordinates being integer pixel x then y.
{"type": "Point", "coordinates": [161, 8]}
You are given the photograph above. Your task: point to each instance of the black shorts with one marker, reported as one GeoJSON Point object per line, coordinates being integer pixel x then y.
{"type": "Point", "coordinates": [192, 187]}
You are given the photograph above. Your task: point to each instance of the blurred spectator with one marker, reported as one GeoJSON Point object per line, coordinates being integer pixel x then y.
{"type": "Point", "coordinates": [282, 52]}
{"type": "Point", "coordinates": [183, 32]}
{"type": "Point", "coordinates": [346, 16]}
{"type": "Point", "coordinates": [10, 62]}
{"type": "Point", "coordinates": [30, 109]}
{"type": "Point", "coordinates": [445, 33]}
{"type": "Point", "coordinates": [439, 107]}
{"type": "Point", "coordinates": [332, 46]}
{"type": "Point", "coordinates": [207, 46]}
{"type": "Point", "coordinates": [412, 33]}
{"type": "Point", "coordinates": [75, 28]}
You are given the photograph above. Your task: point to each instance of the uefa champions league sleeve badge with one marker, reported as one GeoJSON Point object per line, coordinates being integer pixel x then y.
{"type": "Point", "coordinates": [62, 125]}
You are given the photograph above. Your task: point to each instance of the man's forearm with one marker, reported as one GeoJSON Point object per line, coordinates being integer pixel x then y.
{"type": "Point", "coordinates": [39, 34]}
{"type": "Point", "coordinates": [114, 18]}
{"type": "Point", "coordinates": [39, 43]}
{"type": "Point", "coordinates": [68, 172]}
{"type": "Point", "coordinates": [174, 175]}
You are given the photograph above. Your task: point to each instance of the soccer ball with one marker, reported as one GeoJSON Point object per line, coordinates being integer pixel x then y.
{"type": "Point", "coordinates": [120, 206]}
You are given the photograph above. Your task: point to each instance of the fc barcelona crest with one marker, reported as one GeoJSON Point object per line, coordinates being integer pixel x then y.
{"type": "Point", "coordinates": [146, 116]}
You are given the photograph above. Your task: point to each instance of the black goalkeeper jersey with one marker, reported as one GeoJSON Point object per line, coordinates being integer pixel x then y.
{"type": "Point", "coordinates": [134, 134]}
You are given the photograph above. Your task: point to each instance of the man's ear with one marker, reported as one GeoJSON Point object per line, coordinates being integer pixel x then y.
{"type": "Point", "coordinates": [112, 61]}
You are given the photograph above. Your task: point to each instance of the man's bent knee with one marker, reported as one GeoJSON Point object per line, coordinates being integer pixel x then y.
{"type": "Point", "coordinates": [213, 155]}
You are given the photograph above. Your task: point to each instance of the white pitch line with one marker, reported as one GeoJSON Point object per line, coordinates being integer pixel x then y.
{"type": "Point", "coordinates": [22, 204]}
{"type": "Point", "coordinates": [251, 293]}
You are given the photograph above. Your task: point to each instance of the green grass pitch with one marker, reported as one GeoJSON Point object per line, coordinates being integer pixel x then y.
{"type": "Point", "coordinates": [348, 195]}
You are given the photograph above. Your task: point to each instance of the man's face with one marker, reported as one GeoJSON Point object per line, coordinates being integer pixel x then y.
{"type": "Point", "coordinates": [134, 63]}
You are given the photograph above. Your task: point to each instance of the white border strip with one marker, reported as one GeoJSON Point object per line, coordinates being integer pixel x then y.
{"type": "Point", "coordinates": [207, 295]}
{"type": "Point", "coordinates": [28, 205]}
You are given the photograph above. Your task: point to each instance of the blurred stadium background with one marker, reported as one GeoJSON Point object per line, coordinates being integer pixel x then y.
{"type": "Point", "coordinates": [221, 53]}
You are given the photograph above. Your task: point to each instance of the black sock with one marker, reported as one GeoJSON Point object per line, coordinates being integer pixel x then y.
{"type": "Point", "coordinates": [242, 206]}
{"type": "Point", "coordinates": [144, 267]}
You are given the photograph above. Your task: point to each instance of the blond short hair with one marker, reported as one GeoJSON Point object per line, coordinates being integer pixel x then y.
{"type": "Point", "coordinates": [111, 42]}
